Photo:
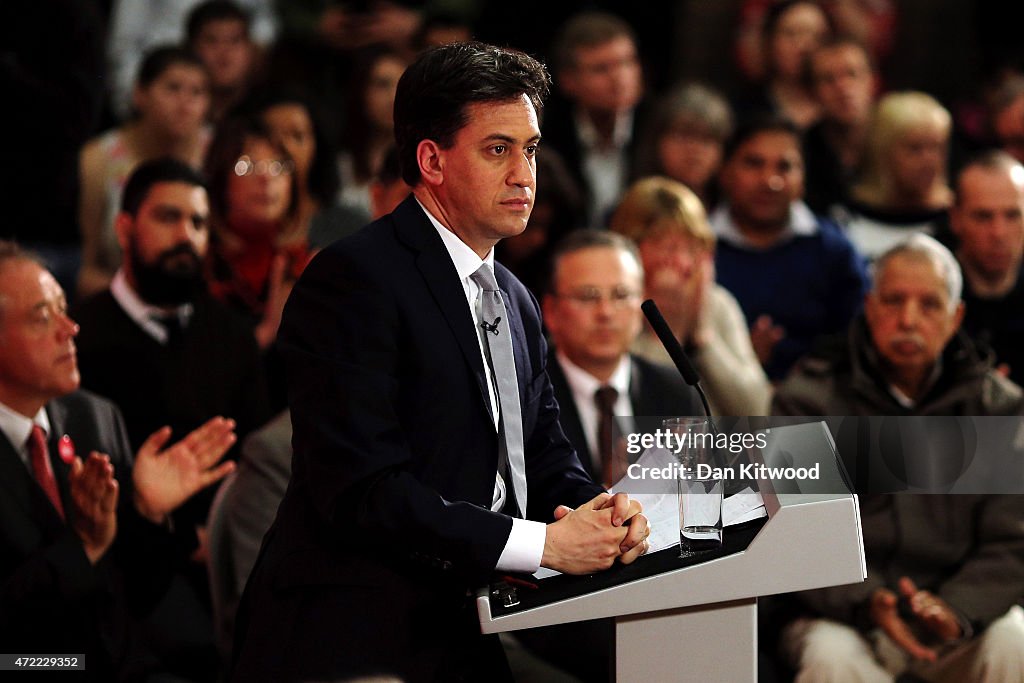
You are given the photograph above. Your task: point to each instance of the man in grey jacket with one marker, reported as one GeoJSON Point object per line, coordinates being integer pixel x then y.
{"type": "Point", "coordinates": [944, 571]}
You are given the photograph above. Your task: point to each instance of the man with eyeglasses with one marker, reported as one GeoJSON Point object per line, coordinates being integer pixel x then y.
{"type": "Point", "coordinates": [592, 312]}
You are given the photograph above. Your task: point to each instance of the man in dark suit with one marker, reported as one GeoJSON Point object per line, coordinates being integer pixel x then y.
{"type": "Point", "coordinates": [592, 310]}
{"type": "Point", "coordinates": [84, 543]}
{"type": "Point", "coordinates": [424, 421]}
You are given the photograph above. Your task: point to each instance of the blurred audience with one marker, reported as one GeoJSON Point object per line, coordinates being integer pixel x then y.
{"type": "Point", "coordinates": [137, 26]}
{"type": "Point", "coordinates": [902, 186]}
{"type": "Point", "coordinates": [988, 221]}
{"type": "Point", "coordinates": [677, 247]}
{"type": "Point", "coordinates": [685, 138]}
{"type": "Point", "coordinates": [294, 122]}
{"type": "Point", "coordinates": [596, 124]}
{"type": "Point", "coordinates": [218, 32]}
{"type": "Point", "coordinates": [843, 81]}
{"type": "Point", "coordinates": [369, 126]}
{"type": "Point", "coordinates": [794, 274]}
{"type": "Point", "coordinates": [170, 101]}
{"type": "Point", "coordinates": [792, 29]}
{"type": "Point", "coordinates": [1006, 116]}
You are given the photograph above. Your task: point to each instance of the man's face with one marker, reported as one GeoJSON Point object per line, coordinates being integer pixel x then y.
{"type": "Point", "coordinates": [988, 219]}
{"type": "Point", "coordinates": [843, 83]}
{"type": "Point", "coordinates": [177, 101]}
{"type": "Point", "coordinates": [908, 314]}
{"type": "Point", "coordinates": [605, 78]}
{"type": "Point", "coordinates": [1009, 128]}
{"type": "Point", "coordinates": [690, 157]}
{"type": "Point", "coordinates": [37, 347]}
{"type": "Point", "coordinates": [488, 176]}
{"type": "Point", "coordinates": [593, 314]}
{"type": "Point", "coordinates": [165, 242]}
{"type": "Point", "coordinates": [224, 47]}
{"type": "Point", "coordinates": [799, 30]}
{"type": "Point", "coordinates": [764, 176]}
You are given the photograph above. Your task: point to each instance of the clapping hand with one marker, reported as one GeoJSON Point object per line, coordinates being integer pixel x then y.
{"type": "Point", "coordinates": [94, 504]}
{"type": "Point", "coordinates": [164, 479]}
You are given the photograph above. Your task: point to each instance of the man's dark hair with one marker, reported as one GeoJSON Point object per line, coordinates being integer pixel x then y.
{"type": "Point", "coordinates": [588, 29]}
{"type": "Point", "coordinates": [160, 59]}
{"type": "Point", "coordinates": [149, 173]}
{"type": "Point", "coordinates": [211, 11]}
{"type": "Point", "coordinates": [751, 127]}
{"type": "Point", "coordinates": [433, 93]}
{"type": "Point", "coordinates": [588, 238]}
{"type": "Point", "coordinates": [988, 160]}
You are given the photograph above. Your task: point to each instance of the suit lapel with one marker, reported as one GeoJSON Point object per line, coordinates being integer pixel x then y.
{"type": "Point", "coordinates": [22, 487]}
{"type": "Point", "coordinates": [435, 265]}
{"type": "Point", "coordinates": [57, 413]}
{"type": "Point", "coordinates": [568, 415]}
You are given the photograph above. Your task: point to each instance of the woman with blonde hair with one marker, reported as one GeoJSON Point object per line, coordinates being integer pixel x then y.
{"type": "Point", "coordinates": [670, 226]}
{"type": "Point", "coordinates": [902, 187]}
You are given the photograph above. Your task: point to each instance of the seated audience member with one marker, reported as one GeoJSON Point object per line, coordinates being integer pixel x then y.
{"type": "Point", "coordinates": [956, 562]}
{"type": "Point", "coordinates": [592, 310]}
{"type": "Point", "coordinates": [218, 32]}
{"type": "Point", "coordinates": [794, 274]}
{"type": "Point", "coordinates": [902, 186]}
{"type": "Point", "coordinates": [792, 29]}
{"type": "Point", "coordinates": [293, 121]}
{"type": "Point", "coordinates": [558, 209]}
{"type": "Point", "coordinates": [1006, 117]}
{"type": "Point", "coordinates": [685, 139]}
{"type": "Point", "coordinates": [369, 125]}
{"type": "Point", "coordinates": [903, 355]}
{"type": "Point", "coordinates": [987, 219]}
{"type": "Point", "coordinates": [170, 101]}
{"type": "Point", "coordinates": [258, 246]}
{"type": "Point", "coordinates": [677, 248]}
{"type": "Point", "coordinates": [155, 342]}
{"type": "Point", "coordinates": [843, 81]}
{"type": "Point", "coordinates": [85, 546]}
{"type": "Point", "coordinates": [596, 125]}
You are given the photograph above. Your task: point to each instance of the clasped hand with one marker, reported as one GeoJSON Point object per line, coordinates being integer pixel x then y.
{"type": "Point", "coordinates": [926, 609]}
{"type": "Point", "coordinates": [591, 537]}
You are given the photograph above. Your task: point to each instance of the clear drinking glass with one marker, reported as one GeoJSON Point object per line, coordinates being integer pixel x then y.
{"type": "Point", "coordinates": [699, 483]}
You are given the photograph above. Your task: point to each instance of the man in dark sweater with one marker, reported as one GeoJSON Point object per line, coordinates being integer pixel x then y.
{"type": "Point", "coordinates": [988, 221]}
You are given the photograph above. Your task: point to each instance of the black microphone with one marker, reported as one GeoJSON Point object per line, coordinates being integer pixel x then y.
{"type": "Point", "coordinates": [675, 350]}
{"type": "Point", "coordinates": [491, 327]}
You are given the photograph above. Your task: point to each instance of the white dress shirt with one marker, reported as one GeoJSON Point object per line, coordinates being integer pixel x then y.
{"type": "Point", "coordinates": [17, 428]}
{"type": "Point", "coordinates": [583, 386]}
{"type": "Point", "coordinates": [525, 545]}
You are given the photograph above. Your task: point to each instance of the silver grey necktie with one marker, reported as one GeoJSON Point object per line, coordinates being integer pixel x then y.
{"type": "Point", "coordinates": [494, 326]}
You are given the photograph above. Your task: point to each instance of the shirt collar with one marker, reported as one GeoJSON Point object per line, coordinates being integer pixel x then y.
{"type": "Point", "coordinates": [145, 315]}
{"type": "Point", "coordinates": [584, 385]}
{"type": "Point", "coordinates": [622, 133]}
{"type": "Point", "coordinates": [17, 428]}
{"type": "Point", "coordinates": [465, 259]}
{"type": "Point", "coordinates": [802, 223]}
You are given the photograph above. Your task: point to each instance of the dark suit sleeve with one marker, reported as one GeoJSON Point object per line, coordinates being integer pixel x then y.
{"type": "Point", "coordinates": [342, 338]}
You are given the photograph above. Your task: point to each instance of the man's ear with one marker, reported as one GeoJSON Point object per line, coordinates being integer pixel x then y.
{"type": "Point", "coordinates": [568, 82]}
{"type": "Point", "coordinates": [430, 158]}
{"type": "Point", "coordinates": [123, 229]}
{"type": "Point", "coordinates": [958, 315]}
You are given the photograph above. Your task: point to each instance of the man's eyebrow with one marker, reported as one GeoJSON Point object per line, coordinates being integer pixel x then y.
{"type": "Point", "coordinates": [501, 137]}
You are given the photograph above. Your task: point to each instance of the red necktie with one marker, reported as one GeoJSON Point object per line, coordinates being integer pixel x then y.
{"type": "Point", "coordinates": [613, 465]}
{"type": "Point", "coordinates": [42, 469]}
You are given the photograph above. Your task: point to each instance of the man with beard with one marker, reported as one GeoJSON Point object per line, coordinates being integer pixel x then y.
{"type": "Point", "coordinates": [160, 348]}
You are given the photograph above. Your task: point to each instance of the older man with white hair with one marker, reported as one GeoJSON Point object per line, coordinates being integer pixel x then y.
{"type": "Point", "coordinates": [945, 572]}
{"type": "Point", "coordinates": [904, 355]}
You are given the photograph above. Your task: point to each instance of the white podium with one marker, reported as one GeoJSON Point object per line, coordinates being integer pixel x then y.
{"type": "Point", "coordinates": [695, 619]}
